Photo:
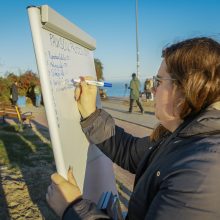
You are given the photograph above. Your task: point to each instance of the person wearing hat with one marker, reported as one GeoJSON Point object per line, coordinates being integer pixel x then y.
{"type": "Point", "coordinates": [135, 93]}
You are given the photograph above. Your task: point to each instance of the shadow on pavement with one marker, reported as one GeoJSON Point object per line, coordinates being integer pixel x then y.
{"type": "Point", "coordinates": [30, 155]}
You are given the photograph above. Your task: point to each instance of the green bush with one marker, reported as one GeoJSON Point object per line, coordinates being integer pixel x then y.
{"type": "Point", "coordinates": [25, 81]}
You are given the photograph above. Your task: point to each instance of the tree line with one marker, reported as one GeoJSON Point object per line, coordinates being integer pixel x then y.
{"type": "Point", "coordinates": [28, 79]}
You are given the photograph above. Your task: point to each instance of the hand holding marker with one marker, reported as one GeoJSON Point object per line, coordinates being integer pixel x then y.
{"type": "Point", "coordinates": [93, 82]}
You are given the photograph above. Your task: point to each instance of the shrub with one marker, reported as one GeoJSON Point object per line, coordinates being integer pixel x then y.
{"type": "Point", "coordinates": [25, 82]}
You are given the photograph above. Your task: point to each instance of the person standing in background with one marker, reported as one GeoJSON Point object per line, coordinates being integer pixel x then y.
{"type": "Point", "coordinates": [135, 93]}
{"type": "Point", "coordinates": [14, 93]}
{"type": "Point", "coordinates": [147, 89]}
{"type": "Point", "coordinates": [126, 87]}
{"type": "Point", "coordinates": [37, 94]}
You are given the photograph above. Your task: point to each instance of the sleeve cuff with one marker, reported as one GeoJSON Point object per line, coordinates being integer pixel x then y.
{"type": "Point", "coordinates": [70, 213]}
{"type": "Point", "coordinates": [89, 120]}
{"type": "Point", "coordinates": [83, 209]}
{"type": "Point", "coordinates": [98, 127]}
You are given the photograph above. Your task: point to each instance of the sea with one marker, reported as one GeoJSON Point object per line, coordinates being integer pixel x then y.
{"type": "Point", "coordinates": [119, 89]}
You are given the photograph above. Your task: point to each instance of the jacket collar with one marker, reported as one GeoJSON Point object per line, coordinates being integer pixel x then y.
{"type": "Point", "coordinates": [207, 122]}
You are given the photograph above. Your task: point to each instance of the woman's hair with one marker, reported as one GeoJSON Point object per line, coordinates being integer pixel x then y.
{"type": "Point", "coordinates": [195, 64]}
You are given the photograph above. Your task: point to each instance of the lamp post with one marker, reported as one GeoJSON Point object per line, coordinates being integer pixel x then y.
{"type": "Point", "coordinates": [137, 49]}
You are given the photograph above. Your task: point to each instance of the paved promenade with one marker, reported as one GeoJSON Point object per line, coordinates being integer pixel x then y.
{"type": "Point", "coordinates": [118, 108]}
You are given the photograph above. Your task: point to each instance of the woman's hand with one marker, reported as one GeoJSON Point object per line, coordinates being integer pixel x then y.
{"type": "Point", "coordinates": [85, 95]}
{"type": "Point", "coordinates": [62, 192]}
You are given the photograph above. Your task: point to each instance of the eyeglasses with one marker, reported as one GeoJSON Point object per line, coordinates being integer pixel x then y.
{"type": "Point", "coordinates": [157, 80]}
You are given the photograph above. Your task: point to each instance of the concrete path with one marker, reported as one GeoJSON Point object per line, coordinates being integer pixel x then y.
{"type": "Point", "coordinates": [118, 108]}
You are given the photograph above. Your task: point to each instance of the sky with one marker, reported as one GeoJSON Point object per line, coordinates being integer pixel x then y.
{"type": "Point", "coordinates": [113, 25]}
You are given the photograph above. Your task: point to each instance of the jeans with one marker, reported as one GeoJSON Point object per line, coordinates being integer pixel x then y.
{"type": "Point", "coordinates": [37, 100]}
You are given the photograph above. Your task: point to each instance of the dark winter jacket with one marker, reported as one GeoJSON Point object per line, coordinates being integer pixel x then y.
{"type": "Point", "coordinates": [14, 92]}
{"type": "Point", "coordinates": [177, 177]}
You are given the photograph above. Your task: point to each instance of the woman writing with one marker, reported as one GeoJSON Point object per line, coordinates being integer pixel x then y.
{"type": "Point", "coordinates": [178, 167]}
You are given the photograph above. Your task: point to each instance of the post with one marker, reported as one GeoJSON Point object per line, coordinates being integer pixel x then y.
{"type": "Point", "coordinates": [137, 49]}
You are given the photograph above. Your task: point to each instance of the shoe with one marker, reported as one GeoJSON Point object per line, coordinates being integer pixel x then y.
{"type": "Point", "coordinates": [130, 112]}
{"type": "Point", "coordinates": [142, 112]}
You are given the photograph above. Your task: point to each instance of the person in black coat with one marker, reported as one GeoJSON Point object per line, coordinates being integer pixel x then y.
{"type": "Point", "coordinates": [14, 93]}
{"type": "Point", "coordinates": [178, 167]}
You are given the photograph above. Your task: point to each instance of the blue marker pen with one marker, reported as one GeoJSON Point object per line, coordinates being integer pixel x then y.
{"type": "Point", "coordinates": [93, 82]}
